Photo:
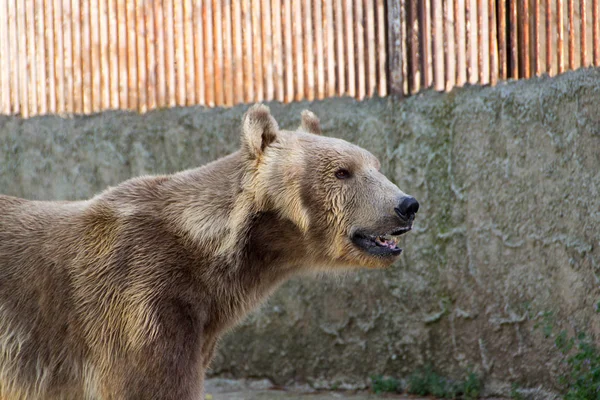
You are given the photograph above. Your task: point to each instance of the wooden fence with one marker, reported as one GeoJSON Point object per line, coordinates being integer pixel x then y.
{"type": "Point", "coordinates": [85, 56]}
{"type": "Point", "coordinates": [447, 43]}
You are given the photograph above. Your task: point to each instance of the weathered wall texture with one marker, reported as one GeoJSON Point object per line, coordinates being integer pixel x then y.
{"type": "Point", "coordinates": [509, 227]}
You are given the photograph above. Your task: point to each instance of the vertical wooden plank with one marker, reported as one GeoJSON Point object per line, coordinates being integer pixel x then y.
{"type": "Point", "coordinates": [309, 56]}
{"type": "Point", "coordinates": [549, 41]}
{"type": "Point", "coordinates": [330, 47]}
{"type": "Point", "coordinates": [14, 73]}
{"type": "Point", "coordinates": [560, 37]}
{"type": "Point", "coordinates": [526, 42]}
{"type": "Point", "coordinates": [86, 58]}
{"type": "Point", "coordinates": [480, 45]}
{"type": "Point", "coordinates": [96, 62]}
{"type": "Point", "coordinates": [267, 41]}
{"type": "Point", "coordinates": [238, 54]}
{"type": "Point", "coordinates": [77, 56]}
{"type": "Point", "coordinates": [22, 59]}
{"type": "Point", "coordinates": [403, 46]}
{"type": "Point", "coordinates": [150, 54]}
{"type": "Point", "coordinates": [259, 86]}
{"type": "Point", "coordinates": [319, 47]}
{"type": "Point", "coordinates": [460, 32]}
{"type": "Point", "coordinates": [96, 66]}
{"type": "Point", "coordinates": [350, 46]}
{"type": "Point", "coordinates": [188, 45]}
{"type": "Point", "coordinates": [382, 81]}
{"type": "Point", "coordinates": [41, 57]}
{"type": "Point", "coordinates": [159, 36]}
{"type": "Point", "coordinates": [413, 53]}
{"type": "Point", "coordinates": [502, 47]}
{"type": "Point", "coordinates": [360, 48]}
{"type": "Point", "coordinates": [437, 33]}
{"type": "Point", "coordinates": [425, 42]}
{"type": "Point", "coordinates": [471, 40]}
{"type": "Point", "coordinates": [571, 16]}
{"type": "Point", "coordinates": [298, 49]}
{"type": "Point", "coordinates": [68, 56]}
{"type": "Point", "coordinates": [483, 60]}
{"type": "Point", "coordinates": [248, 51]}
{"type": "Point", "coordinates": [536, 38]}
{"type": "Point", "coordinates": [142, 83]}
{"type": "Point", "coordinates": [583, 33]}
{"type": "Point", "coordinates": [596, 32]}
{"type": "Point", "coordinates": [493, 47]}
{"type": "Point", "coordinates": [59, 57]}
{"type": "Point", "coordinates": [486, 53]}
{"type": "Point", "coordinates": [123, 70]}
{"type": "Point", "coordinates": [278, 50]}
{"type": "Point", "coordinates": [371, 55]}
{"type": "Point", "coordinates": [49, 59]}
{"type": "Point", "coordinates": [132, 83]}
{"type": "Point", "coordinates": [209, 59]}
{"type": "Point", "coordinates": [339, 42]}
{"type": "Point", "coordinates": [228, 53]}
{"type": "Point", "coordinates": [170, 74]}
{"type": "Point", "coordinates": [179, 60]}
{"type": "Point", "coordinates": [4, 60]}
{"type": "Point", "coordinates": [29, 32]}
{"type": "Point", "coordinates": [481, 30]}
{"type": "Point", "coordinates": [113, 54]}
{"type": "Point", "coordinates": [288, 40]}
{"type": "Point", "coordinates": [104, 70]}
{"type": "Point", "coordinates": [451, 56]}
{"type": "Point", "coordinates": [5, 57]}
{"type": "Point", "coordinates": [450, 46]}
{"type": "Point", "coordinates": [199, 53]}
{"type": "Point", "coordinates": [218, 54]}
{"type": "Point", "coordinates": [514, 46]}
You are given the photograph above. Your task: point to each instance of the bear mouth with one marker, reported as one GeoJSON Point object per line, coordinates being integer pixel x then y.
{"type": "Point", "coordinates": [383, 245]}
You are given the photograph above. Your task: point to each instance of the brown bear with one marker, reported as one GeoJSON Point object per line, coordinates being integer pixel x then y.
{"type": "Point", "coordinates": [124, 296]}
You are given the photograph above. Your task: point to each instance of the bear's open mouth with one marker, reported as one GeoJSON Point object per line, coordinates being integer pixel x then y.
{"type": "Point", "coordinates": [380, 245]}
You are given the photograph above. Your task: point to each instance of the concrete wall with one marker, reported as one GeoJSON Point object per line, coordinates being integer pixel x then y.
{"type": "Point", "coordinates": [508, 179]}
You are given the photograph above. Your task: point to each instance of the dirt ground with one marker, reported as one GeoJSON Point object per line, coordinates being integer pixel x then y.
{"type": "Point", "coordinates": [224, 389]}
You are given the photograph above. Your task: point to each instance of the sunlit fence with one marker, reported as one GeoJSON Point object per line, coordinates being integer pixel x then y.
{"type": "Point", "coordinates": [85, 56]}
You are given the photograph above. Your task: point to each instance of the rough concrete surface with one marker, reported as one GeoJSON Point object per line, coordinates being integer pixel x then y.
{"type": "Point", "coordinates": [226, 389]}
{"type": "Point", "coordinates": [508, 179]}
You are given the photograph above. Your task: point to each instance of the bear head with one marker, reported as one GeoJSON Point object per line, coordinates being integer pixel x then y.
{"type": "Point", "coordinates": [346, 211]}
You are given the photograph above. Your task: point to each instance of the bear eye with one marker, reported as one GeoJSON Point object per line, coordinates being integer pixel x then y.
{"type": "Point", "coordinates": [342, 173]}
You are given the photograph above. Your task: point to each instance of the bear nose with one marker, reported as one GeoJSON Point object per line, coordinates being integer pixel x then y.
{"type": "Point", "coordinates": [407, 208]}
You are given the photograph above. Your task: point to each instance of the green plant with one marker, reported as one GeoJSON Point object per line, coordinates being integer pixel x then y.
{"type": "Point", "coordinates": [582, 379]}
{"type": "Point", "coordinates": [547, 323]}
{"type": "Point", "coordinates": [381, 384]}
{"type": "Point", "coordinates": [515, 394]}
{"type": "Point", "coordinates": [425, 382]}
{"type": "Point", "coordinates": [472, 387]}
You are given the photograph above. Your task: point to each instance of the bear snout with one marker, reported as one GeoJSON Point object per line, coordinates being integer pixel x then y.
{"type": "Point", "coordinates": [407, 208]}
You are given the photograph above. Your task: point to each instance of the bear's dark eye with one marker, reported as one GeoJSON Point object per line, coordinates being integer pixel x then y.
{"type": "Point", "coordinates": [342, 173]}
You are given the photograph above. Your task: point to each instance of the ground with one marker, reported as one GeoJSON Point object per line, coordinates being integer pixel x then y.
{"type": "Point", "coordinates": [225, 389]}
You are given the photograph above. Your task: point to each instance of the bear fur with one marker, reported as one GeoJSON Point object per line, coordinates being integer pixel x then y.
{"type": "Point", "coordinates": [125, 295]}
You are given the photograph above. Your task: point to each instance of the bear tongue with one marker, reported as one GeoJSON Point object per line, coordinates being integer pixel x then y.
{"type": "Point", "coordinates": [385, 242]}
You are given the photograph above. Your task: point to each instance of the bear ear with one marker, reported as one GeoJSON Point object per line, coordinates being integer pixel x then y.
{"type": "Point", "coordinates": [259, 129]}
{"type": "Point", "coordinates": [310, 122]}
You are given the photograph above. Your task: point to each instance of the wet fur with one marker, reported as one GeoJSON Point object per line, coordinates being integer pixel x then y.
{"type": "Point", "coordinates": [124, 296]}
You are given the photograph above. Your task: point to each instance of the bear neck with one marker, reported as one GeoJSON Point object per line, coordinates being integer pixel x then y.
{"type": "Point", "coordinates": [246, 252]}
